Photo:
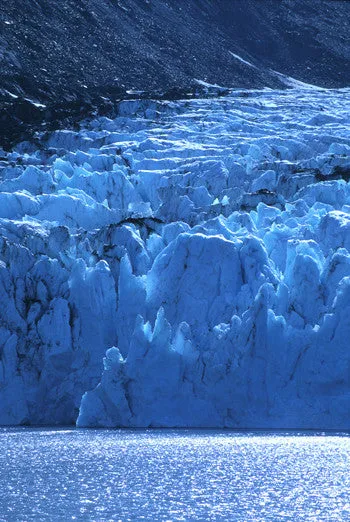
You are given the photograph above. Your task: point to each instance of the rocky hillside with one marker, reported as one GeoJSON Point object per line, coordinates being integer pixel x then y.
{"type": "Point", "coordinates": [74, 56]}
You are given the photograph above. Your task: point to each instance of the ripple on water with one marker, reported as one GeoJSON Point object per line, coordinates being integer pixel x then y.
{"type": "Point", "coordinates": [173, 475]}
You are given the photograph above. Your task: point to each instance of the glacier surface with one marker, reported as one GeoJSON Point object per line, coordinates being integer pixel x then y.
{"type": "Point", "coordinates": [185, 264]}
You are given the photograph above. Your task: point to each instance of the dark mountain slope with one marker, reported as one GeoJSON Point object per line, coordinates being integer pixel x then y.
{"type": "Point", "coordinates": [66, 54]}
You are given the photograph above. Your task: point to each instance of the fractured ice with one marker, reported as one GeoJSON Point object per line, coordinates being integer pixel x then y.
{"type": "Point", "coordinates": [186, 264]}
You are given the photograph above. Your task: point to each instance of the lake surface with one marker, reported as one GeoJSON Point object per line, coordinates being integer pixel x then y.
{"type": "Point", "coordinates": [173, 475]}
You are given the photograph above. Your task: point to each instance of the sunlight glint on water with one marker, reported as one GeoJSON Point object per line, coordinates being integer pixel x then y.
{"type": "Point", "coordinates": [172, 475]}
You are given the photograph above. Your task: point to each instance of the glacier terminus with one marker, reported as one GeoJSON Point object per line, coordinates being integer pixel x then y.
{"type": "Point", "coordinates": [185, 264]}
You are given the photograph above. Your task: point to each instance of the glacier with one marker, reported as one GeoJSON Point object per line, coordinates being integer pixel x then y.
{"type": "Point", "coordinates": [185, 264]}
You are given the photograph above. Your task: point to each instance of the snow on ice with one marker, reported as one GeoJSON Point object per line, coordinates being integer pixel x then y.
{"type": "Point", "coordinates": [185, 264]}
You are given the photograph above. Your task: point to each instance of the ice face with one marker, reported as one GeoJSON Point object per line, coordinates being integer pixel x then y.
{"type": "Point", "coordinates": [185, 264]}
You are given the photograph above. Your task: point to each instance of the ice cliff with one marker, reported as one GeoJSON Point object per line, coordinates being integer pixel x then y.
{"type": "Point", "coordinates": [185, 264]}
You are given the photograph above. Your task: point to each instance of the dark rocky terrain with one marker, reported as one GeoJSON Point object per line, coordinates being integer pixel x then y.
{"type": "Point", "coordinates": [76, 56]}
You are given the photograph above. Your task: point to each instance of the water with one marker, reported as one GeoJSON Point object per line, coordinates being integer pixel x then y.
{"type": "Point", "coordinates": [173, 475]}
